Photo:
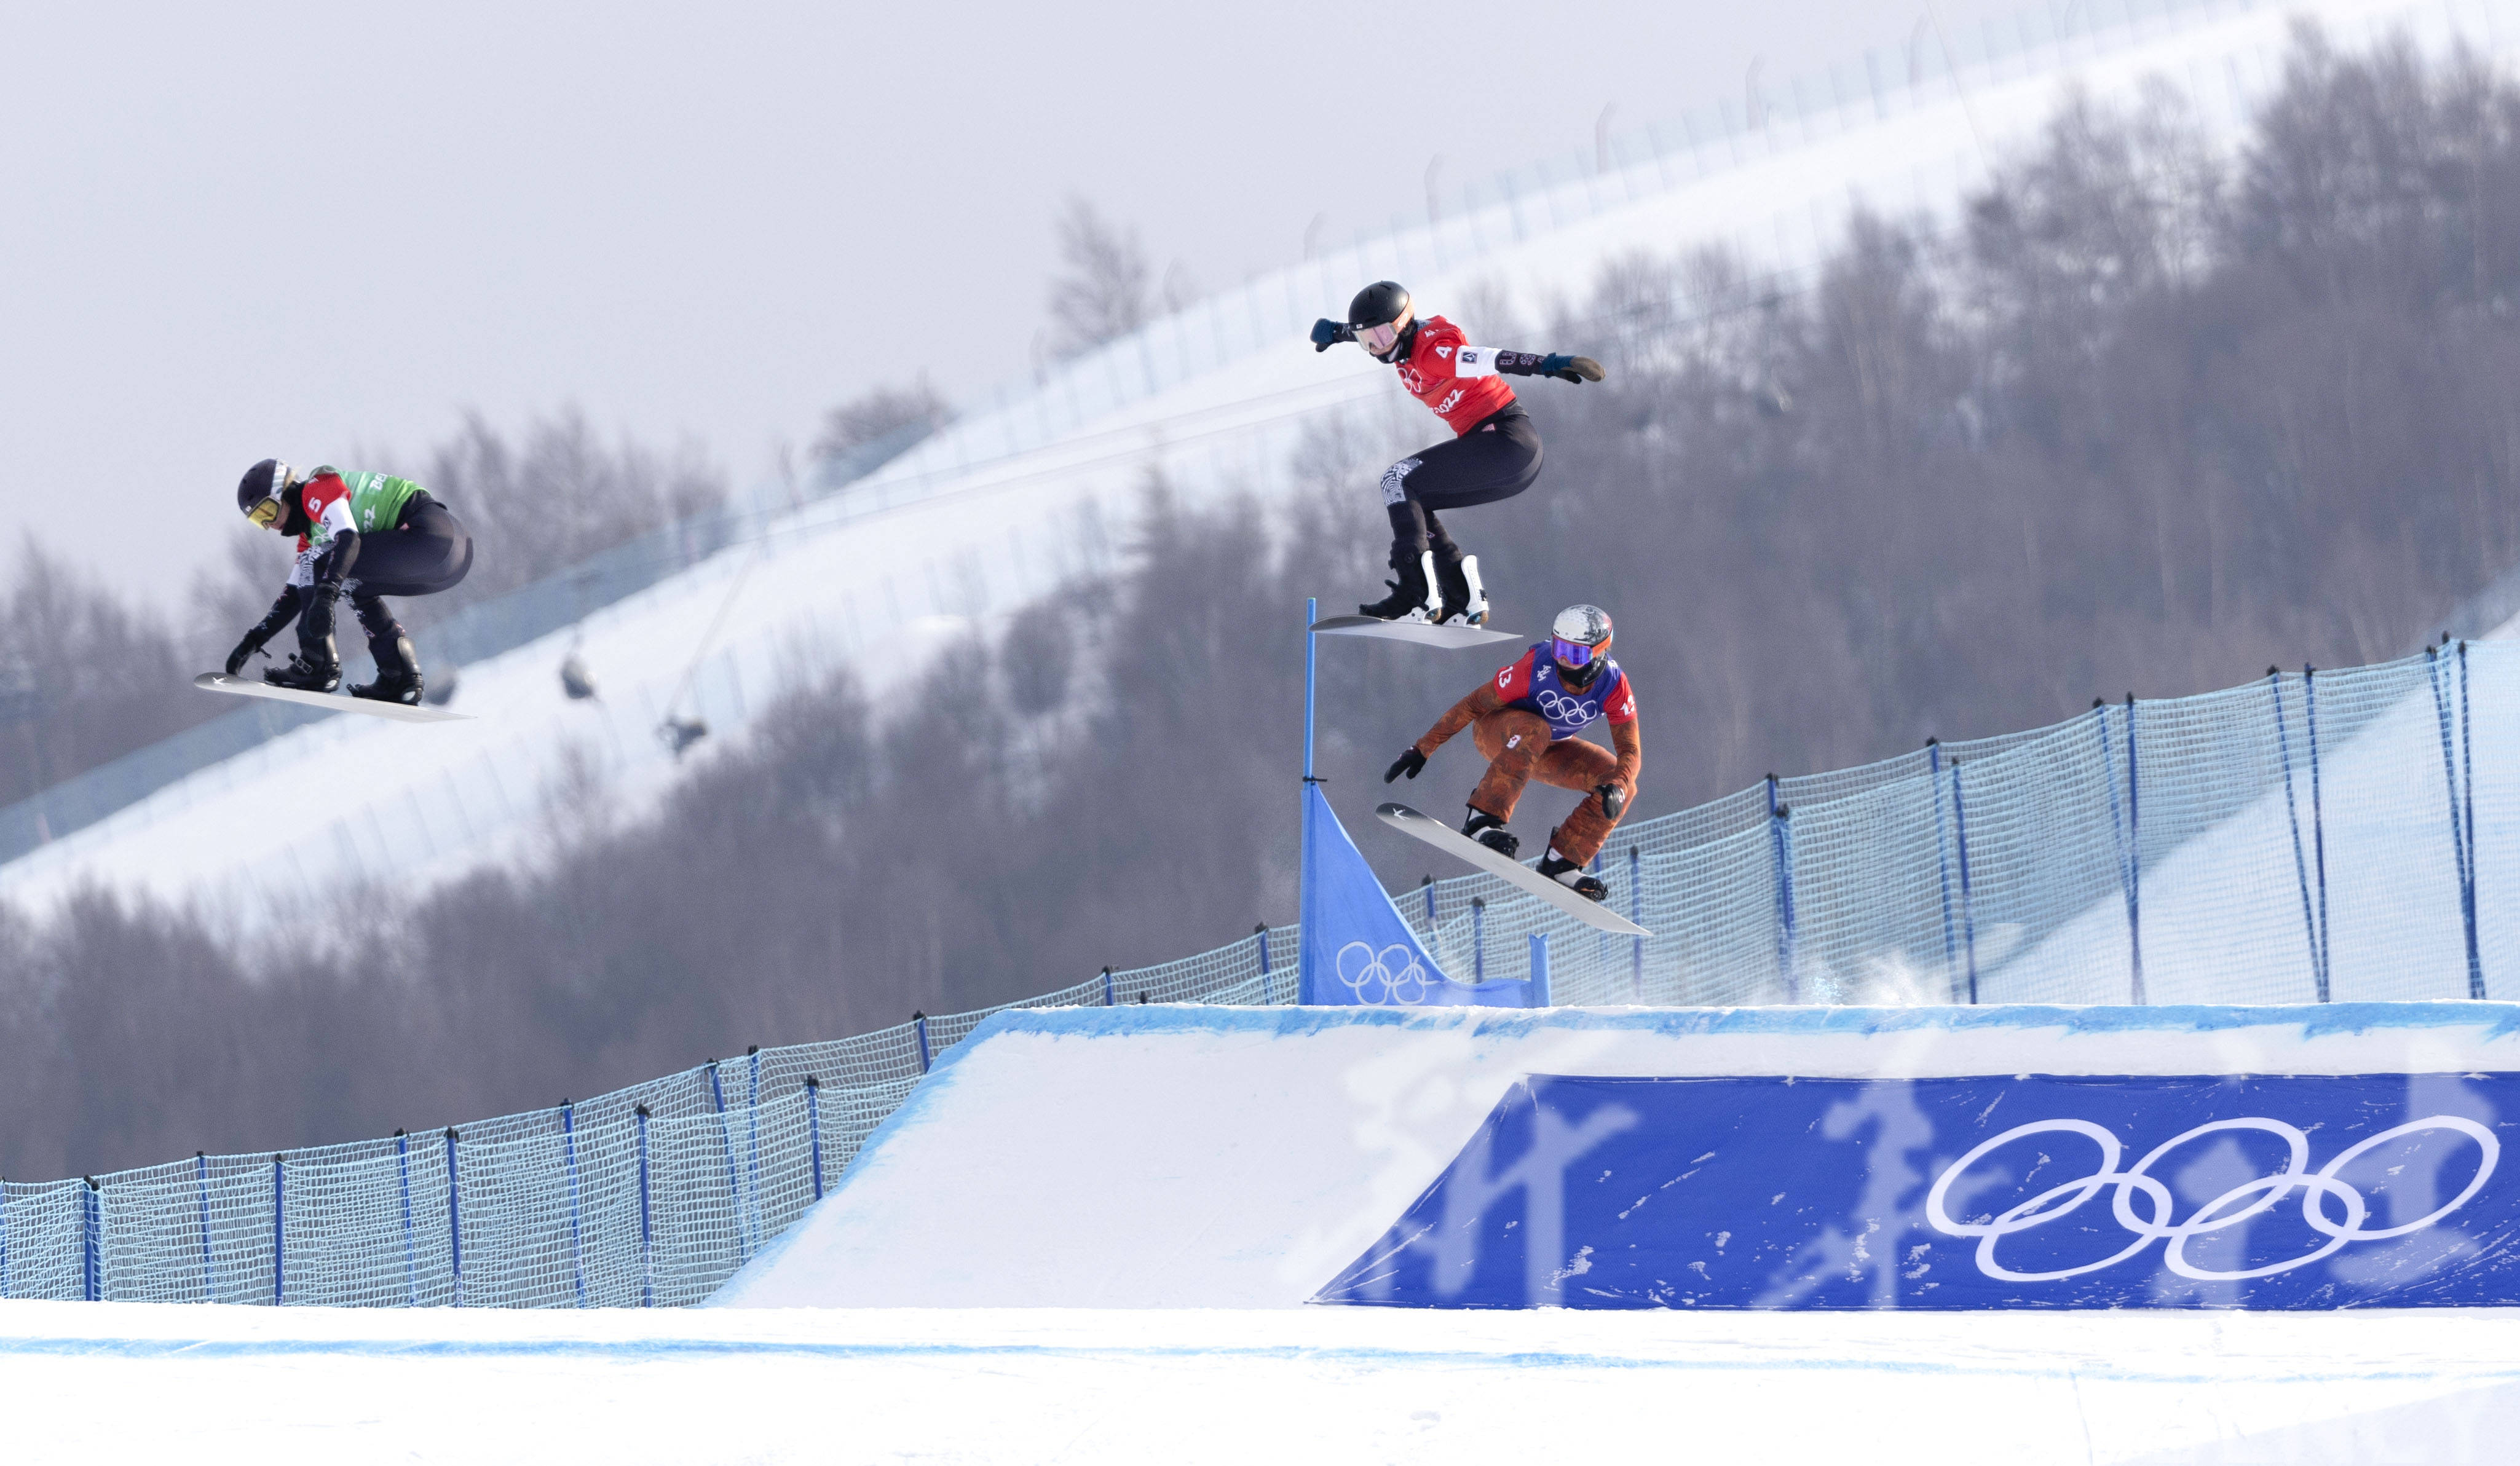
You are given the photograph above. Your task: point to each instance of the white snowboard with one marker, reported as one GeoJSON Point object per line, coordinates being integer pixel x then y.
{"type": "Point", "coordinates": [1442, 837]}
{"type": "Point", "coordinates": [213, 682]}
{"type": "Point", "coordinates": [1446, 637]}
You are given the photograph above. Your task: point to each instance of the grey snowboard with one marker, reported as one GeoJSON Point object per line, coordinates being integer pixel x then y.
{"type": "Point", "coordinates": [213, 682]}
{"type": "Point", "coordinates": [1446, 637]}
{"type": "Point", "coordinates": [1442, 837]}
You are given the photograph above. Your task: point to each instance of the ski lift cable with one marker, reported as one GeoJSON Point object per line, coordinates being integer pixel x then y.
{"type": "Point", "coordinates": [691, 674]}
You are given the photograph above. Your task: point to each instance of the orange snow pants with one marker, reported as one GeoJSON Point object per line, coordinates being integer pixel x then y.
{"type": "Point", "coordinates": [1517, 748]}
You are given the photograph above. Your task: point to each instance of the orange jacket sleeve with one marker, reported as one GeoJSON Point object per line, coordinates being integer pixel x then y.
{"type": "Point", "coordinates": [1631, 745]}
{"type": "Point", "coordinates": [1483, 700]}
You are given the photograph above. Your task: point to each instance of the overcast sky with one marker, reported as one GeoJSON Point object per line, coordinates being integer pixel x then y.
{"type": "Point", "coordinates": [318, 230]}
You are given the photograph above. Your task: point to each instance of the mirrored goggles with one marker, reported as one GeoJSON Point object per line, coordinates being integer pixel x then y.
{"type": "Point", "coordinates": [1574, 654]}
{"type": "Point", "coordinates": [1379, 339]}
{"type": "Point", "coordinates": [267, 513]}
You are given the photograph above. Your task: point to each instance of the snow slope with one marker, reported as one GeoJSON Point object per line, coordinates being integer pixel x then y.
{"type": "Point", "coordinates": [218, 1383]}
{"type": "Point", "coordinates": [1039, 482]}
{"type": "Point", "coordinates": [1235, 1158]}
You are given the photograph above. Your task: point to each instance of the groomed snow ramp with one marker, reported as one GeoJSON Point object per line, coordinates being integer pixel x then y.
{"type": "Point", "coordinates": [2007, 1157]}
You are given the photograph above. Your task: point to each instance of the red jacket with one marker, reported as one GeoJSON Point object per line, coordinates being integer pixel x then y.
{"type": "Point", "coordinates": [1464, 393]}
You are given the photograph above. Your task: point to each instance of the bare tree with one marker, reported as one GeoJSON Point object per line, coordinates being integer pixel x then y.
{"type": "Point", "coordinates": [1102, 288]}
{"type": "Point", "coordinates": [879, 413]}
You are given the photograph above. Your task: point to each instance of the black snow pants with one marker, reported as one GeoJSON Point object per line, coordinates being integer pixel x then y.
{"type": "Point", "coordinates": [427, 552]}
{"type": "Point", "coordinates": [1496, 460]}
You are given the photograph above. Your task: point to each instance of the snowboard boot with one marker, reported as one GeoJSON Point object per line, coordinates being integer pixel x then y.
{"type": "Point", "coordinates": [315, 668]}
{"type": "Point", "coordinates": [1465, 600]}
{"type": "Point", "coordinates": [397, 672]}
{"type": "Point", "coordinates": [1571, 875]}
{"type": "Point", "coordinates": [1489, 831]}
{"type": "Point", "coordinates": [1414, 595]}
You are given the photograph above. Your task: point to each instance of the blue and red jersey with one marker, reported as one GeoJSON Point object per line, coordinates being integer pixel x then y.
{"type": "Point", "coordinates": [1533, 685]}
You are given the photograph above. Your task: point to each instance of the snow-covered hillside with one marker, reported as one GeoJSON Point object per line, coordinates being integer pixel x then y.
{"type": "Point", "coordinates": [1037, 483]}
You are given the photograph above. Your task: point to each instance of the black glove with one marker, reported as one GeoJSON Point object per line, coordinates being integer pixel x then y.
{"type": "Point", "coordinates": [282, 612]}
{"type": "Point", "coordinates": [1575, 369]}
{"type": "Point", "coordinates": [1327, 333]}
{"type": "Point", "coordinates": [246, 649]}
{"type": "Point", "coordinates": [1408, 762]}
{"type": "Point", "coordinates": [1613, 799]}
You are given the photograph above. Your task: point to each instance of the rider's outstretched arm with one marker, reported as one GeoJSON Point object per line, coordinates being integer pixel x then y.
{"type": "Point", "coordinates": [1488, 361]}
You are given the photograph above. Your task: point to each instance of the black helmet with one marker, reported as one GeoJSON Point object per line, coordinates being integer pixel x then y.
{"type": "Point", "coordinates": [265, 483]}
{"type": "Point", "coordinates": [1381, 318]}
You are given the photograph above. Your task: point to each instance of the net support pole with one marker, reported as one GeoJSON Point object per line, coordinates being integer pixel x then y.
{"type": "Point", "coordinates": [1479, 938]}
{"type": "Point", "coordinates": [410, 1238]}
{"type": "Point", "coordinates": [201, 1191]}
{"type": "Point", "coordinates": [278, 1232]}
{"type": "Point", "coordinates": [814, 1132]}
{"type": "Point", "coordinates": [1781, 860]}
{"type": "Point", "coordinates": [2468, 802]}
{"type": "Point", "coordinates": [2317, 818]}
{"type": "Point", "coordinates": [454, 1219]}
{"type": "Point", "coordinates": [919, 1026]}
{"type": "Point", "coordinates": [2461, 848]}
{"type": "Point", "coordinates": [1260, 935]}
{"type": "Point", "coordinates": [752, 1145]}
{"type": "Point", "coordinates": [576, 1221]}
{"type": "Point", "coordinates": [725, 1142]}
{"type": "Point", "coordinates": [647, 1225]}
{"type": "Point", "coordinates": [1943, 869]}
{"type": "Point", "coordinates": [90, 1224]}
{"type": "Point", "coordinates": [1111, 995]}
{"type": "Point", "coordinates": [2292, 817]}
{"type": "Point", "coordinates": [2135, 867]}
{"type": "Point", "coordinates": [1968, 894]}
{"type": "Point", "coordinates": [1539, 997]}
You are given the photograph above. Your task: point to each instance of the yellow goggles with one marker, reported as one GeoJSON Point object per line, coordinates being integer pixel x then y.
{"type": "Point", "coordinates": [265, 515]}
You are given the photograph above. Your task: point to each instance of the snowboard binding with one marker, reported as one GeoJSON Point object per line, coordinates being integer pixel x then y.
{"type": "Point", "coordinates": [1464, 598]}
{"type": "Point", "coordinates": [1489, 831]}
{"type": "Point", "coordinates": [1571, 875]}
{"type": "Point", "coordinates": [1415, 595]}
{"type": "Point", "coordinates": [305, 676]}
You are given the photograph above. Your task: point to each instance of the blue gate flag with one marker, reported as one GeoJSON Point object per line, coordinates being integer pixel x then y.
{"type": "Point", "coordinates": [2033, 1191]}
{"type": "Point", "coordinates": [1356, 946]}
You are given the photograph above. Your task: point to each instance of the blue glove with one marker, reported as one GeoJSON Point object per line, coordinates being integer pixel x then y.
{"type": "Point", "coordinates": [1327, 333]}
{"type": "Point", "coordinates": [1577, 369]}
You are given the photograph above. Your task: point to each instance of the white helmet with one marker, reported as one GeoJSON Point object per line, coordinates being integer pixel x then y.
{"type": "Point", "coordinates": [1580, 640]}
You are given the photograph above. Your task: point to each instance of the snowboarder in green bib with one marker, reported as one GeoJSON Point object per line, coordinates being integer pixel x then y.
{"type": "Point", "coordinates": [370, 535]}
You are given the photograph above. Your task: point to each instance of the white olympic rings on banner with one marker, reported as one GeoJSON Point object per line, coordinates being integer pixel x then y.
{"type": "Point", "coordinates": [2269, 1191]}
{"type": "Point", "coordinates": [1361, 967]}
{"type": "Point", "coordinates": [1558, 707]}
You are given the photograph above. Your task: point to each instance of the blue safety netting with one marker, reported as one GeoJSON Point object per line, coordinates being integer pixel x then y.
{"type": "Point", "coordinates": [2305, 838]}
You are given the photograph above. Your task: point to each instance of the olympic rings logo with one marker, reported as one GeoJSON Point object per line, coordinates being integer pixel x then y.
{"type": "Point", "coordinates": [1558, 707]}
{"type": "Point", "coordinates": [2316, 1186]}
{"type": "Point", "coordinates": [1368, 972]}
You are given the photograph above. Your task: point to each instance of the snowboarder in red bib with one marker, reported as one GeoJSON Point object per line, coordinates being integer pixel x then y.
{"type": "Point", "coordinates": [1525, 719]}
{"type": "Point", "coordinates": [1494, 454]}
{"type": "Point", "coordinates": [369, 535]}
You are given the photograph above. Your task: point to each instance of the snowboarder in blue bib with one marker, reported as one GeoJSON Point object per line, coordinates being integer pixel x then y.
{"type": "Point", "coordinates": [1525, 719]}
